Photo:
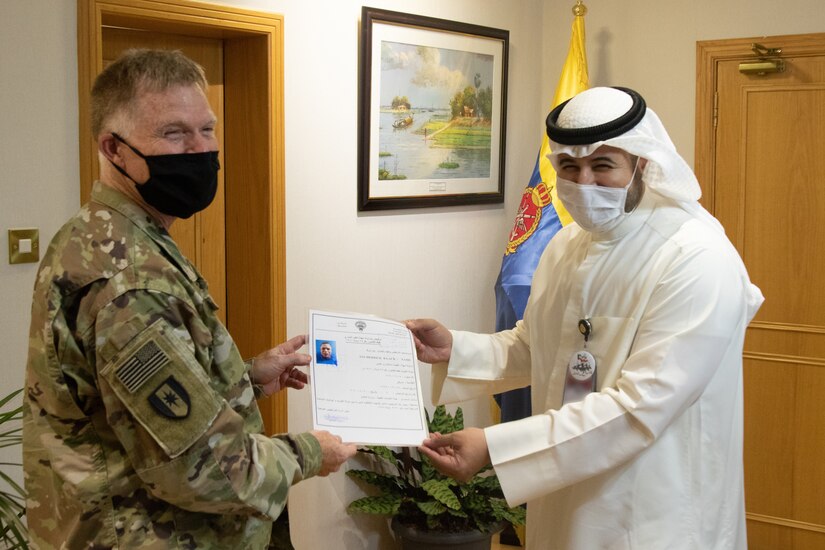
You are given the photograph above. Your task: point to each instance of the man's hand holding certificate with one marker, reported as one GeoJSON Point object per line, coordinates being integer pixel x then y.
{"type": "Point", "coordinates": [366, 386]}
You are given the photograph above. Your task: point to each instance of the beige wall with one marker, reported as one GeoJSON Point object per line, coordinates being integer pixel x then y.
{"type": "Point", "coordinates": [440, 262]}
{"type": "Point", "coordinates": [38, 155]}
{"type": "Point", "coordinates": [38, 151]}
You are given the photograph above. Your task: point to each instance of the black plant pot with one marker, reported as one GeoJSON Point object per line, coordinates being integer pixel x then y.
{"type": "Point", "coordinates": [415, 539]}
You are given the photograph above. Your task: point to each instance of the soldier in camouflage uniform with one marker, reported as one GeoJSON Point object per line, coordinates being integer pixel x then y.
{"type": "Point", "coordinates": [140, 422]}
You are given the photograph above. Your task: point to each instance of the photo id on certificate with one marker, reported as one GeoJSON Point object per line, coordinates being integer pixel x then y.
{"type": "Point", "coordinates": [366, 385]}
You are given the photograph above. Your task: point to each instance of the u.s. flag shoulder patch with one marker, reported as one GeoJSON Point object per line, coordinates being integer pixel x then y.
{"type": "Point", "coordinates": [141, 365]}
{"type": "Point", "coordinates": [156, 377]}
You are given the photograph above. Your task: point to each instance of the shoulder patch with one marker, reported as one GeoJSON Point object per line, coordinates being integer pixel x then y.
{"type": "Point", "coordinates": [155, 376]}
{"type": "Point", "coordinates": [170, 399]}
{"type": "Point", "coordinates": [138, 368]}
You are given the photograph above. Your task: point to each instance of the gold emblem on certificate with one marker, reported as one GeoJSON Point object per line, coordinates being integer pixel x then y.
{"type": "Point", "coordinates": [581, 369]}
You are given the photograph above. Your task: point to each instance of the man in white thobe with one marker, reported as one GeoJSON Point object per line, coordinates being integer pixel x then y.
{"type": "Point", "coordinates": [632, 343]}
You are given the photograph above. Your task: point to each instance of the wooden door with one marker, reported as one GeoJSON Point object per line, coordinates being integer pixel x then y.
{"type": "Point", "coordinates": [202, 237]}
{"type": "Point", "coordinates": [761, 158]}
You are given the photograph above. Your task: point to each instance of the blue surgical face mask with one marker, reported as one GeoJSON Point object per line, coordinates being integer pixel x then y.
{"type": "Point", "coordinates": [595, 208]}
{"type": "Point", "coordinates": [179, 185]}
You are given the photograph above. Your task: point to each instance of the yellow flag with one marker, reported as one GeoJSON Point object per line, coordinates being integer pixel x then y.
{"type": "Point", "coordinates": [572, 81]}
{"type": "Point", "coordinates": [525, 248]}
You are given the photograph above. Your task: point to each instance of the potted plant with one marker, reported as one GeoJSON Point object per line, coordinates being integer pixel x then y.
{"type": "Point", "coordinates": [13, 532]}
{"type": "Point", "coordinates": [429, 509]}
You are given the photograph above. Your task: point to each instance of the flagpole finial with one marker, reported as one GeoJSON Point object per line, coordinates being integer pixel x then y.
{"type": "Point", "coordinates": [579, 9]}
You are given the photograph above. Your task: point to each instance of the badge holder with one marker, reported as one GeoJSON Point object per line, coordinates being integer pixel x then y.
{"type": "Point", "coordinates": [581, 369]}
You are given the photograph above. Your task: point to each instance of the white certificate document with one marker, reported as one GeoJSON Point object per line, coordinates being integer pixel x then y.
{"type": "Point", "coordinates": [366, 386]}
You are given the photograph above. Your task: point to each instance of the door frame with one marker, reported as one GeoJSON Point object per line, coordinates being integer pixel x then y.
{"type": "Point", "coordinates": [253, 151]}
{"type": "Point", "coordinates": [709, 53]}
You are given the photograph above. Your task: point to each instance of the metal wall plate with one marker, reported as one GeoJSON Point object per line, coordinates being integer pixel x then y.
{"type": "Point", "coordinates": [17, 253]}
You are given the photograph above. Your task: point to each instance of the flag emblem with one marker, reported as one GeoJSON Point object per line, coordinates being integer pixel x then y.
{"type": "Point", "coordinates": [141, 366]}
{"type": "Point", "coordinates": [170, 399]}
{"type": "Point", "coordinates": [528, 216]}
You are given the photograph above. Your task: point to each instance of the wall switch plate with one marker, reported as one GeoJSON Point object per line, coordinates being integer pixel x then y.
{"type": "Point", "coordinates": [24, 245]}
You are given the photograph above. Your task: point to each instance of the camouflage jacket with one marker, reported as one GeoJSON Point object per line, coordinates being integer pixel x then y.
{"type": "Point", "coordinates": [140, 424]}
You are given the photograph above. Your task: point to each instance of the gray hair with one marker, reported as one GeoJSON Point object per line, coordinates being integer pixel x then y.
{"type": "Point", "coordinates": [137, 71]}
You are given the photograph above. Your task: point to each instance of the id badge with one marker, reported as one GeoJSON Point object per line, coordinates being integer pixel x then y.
{"type": "Point", "coordinates": [581, 369]}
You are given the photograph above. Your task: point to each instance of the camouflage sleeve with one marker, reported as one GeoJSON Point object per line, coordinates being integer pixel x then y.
{"type": "Point", "coordinates": [257, 388]}
{"type": "Point", "coordinates": [307, 449]}
{"type": "Point", "coordinates": [177, 401]}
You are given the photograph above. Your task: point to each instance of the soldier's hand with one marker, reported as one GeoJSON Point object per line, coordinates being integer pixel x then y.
{"type": "Point", "coordinates": [274, 369]}
{"type": "Point", "coordinates": [335, 452]}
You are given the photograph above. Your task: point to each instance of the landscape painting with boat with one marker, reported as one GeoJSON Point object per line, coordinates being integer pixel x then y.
{"type": "Point", "coordinates": [436, 112]}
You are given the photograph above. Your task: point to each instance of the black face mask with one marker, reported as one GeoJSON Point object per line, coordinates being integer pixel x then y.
{"type": "Point", "coordinates": [178, 185]}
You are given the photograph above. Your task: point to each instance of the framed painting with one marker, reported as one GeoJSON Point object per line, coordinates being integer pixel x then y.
{"type": "Point", "coordinates": [432, 112]}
